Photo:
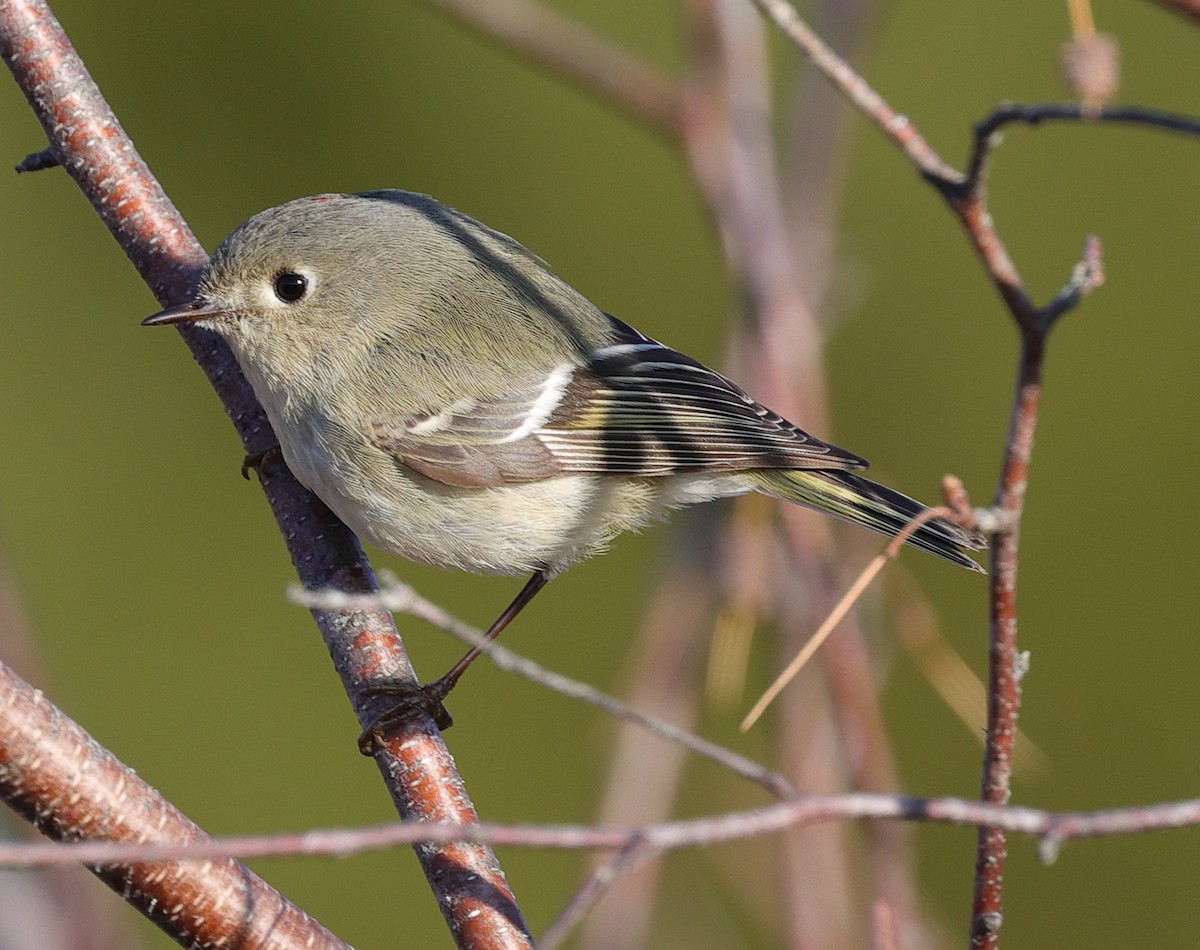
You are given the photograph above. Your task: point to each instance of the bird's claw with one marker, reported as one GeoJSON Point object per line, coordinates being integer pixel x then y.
{"type": "Point", "coordinates": [260, 461]}
{"type": "Point", "coordinates": [410, 703]}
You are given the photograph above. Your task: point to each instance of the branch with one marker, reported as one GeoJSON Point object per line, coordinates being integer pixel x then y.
{"type": "Point", "coordinates": [65, 784]}
{"type": "Point", "coordinates": [1006, 665]}
{"type": "Point", "coordinates": [86, 139]}
{"type": "Point", "coordinates": [593, 63]}
{"type": "Point", "coordinates": [1037, 114]}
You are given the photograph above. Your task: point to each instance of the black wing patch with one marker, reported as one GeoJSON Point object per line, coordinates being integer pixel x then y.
{"type": "Point", "coordinates": [641, 408]}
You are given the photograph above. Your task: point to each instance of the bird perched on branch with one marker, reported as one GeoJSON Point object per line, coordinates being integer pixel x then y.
{"type": "Point", "coordinates": [455, 402]}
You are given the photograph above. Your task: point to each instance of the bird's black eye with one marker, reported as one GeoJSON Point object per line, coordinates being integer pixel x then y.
{"type": "Point", "coordinates": [290, 286]}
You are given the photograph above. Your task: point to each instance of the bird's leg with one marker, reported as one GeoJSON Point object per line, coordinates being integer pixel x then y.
{"type": "Point", "coordinates": [440, 688]}
{"type": "Point", "coordinates": [428, 698]}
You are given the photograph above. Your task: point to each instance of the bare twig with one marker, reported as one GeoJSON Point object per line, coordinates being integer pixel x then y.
{"type": "Point", "coordinates": [602, 877]}
{"type": "Point", "coordinates": [856, 89]}
{"type": "Point", "coordinates": [1004, 668]}
{"type": "Point", "coordinates": [593, 63]}
{"type": "Point", "coordinates": [965, 193]}
{"type": "Point", "coordinates": [1041, 113]}
{"type": "Point", "coordinates": [1187, 8]}
{"type": "Point", "coordinates": [366, 649]}
{"type": "Point", "coordinates": [1053, 828]}
{"type": "Point", "coordinates": [398, 596]}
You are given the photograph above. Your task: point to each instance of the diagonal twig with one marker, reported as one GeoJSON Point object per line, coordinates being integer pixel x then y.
{"type": "Point", "coordinates": [592, 62]}
{"type": "Point", "coordinates": [402, 598]}
{"type": "Point", "coordinates": [1187, 8]}
{"type": "Point", "coordinates": [601, 878]}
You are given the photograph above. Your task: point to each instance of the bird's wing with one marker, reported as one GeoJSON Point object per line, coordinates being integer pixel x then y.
{"type": "Point", "coordinates": [635, 408]}
{"type": "Point", "coordinates": [480, 443]}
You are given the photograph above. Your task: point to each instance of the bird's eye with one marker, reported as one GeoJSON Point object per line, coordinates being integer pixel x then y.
{"type": "Point", "coordinates": [290, 286]}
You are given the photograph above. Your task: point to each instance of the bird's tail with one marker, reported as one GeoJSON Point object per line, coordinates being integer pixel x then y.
{"type": "Point", "coordinates": [858, 500]}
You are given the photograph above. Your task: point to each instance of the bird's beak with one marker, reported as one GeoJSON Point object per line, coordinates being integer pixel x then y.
{"type": "Point", "coordinates": [186, 313]}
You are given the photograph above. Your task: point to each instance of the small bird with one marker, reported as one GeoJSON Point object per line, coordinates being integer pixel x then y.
{"type": "Point", "coordinates": [456, 403]}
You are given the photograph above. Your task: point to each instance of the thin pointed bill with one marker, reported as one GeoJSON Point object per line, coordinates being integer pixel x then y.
{"type": "Point", "coordinates": [186, 313]}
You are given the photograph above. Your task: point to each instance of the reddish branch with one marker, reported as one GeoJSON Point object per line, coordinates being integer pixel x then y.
{"type": "Point", "coordinates": [86, 139]}
{"type": "Point", "coordinates": [60, 780]}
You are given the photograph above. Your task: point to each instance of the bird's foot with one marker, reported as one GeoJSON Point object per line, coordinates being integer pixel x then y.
{"type": "Point", "coordinates": [409, 703]}
{"type": "Point", "coordinates": [261, 461]}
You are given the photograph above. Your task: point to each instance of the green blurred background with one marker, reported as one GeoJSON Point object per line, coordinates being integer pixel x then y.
{"type": "Point", "coordinates": [154, 575]}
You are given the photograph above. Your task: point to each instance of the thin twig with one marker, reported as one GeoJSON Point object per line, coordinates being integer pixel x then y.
{"type": "Point", "coordinates": [602, 877]}
{"type": "Point", "coordinates": [400, 597]}
{"type": "Point", "coordinates": [1004, 664]}
{"type": "Point", "coordinates": [964, 192]}
{"type": "Point", "coordinates": [894, 125]}
{"type": "Point", "coordinates": [1053, 828]}
{"type": "Point", "coordinates": [592, 62]}
{"type": "Point", "coordinates": [1040, 113]}
{"type": "Point", "coordinates": [37, 161]}
{"type": "Point", "coordinates": [840, 609]}
{"type": "Point", "coordinates": [1187, 8]}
